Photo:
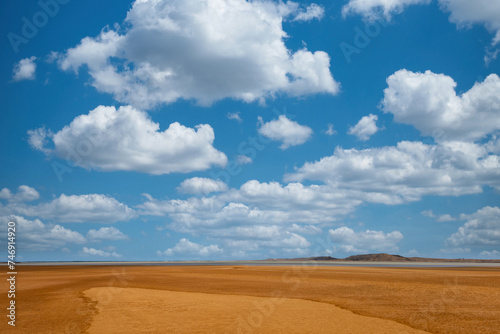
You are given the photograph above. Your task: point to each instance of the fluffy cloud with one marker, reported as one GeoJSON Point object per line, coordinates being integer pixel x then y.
{"type": "Point", "coordinates": [24, 194]}
{"type": "Point", "coordinates": [243, 160]}
{"type": "Point", "coordinates": [202, 50]}
{"type": "Point", "coordinates": [376, 9]}
{"type": "Point", "coordinates": [463, 13]}
{"type": "Point", "coordinates": [235, 116]}
{"type": "Point", "coordinates": [350, 241]}
{"type": "Point", "coordinates": [491, 254]}
{"type": "Point", "coordinates": [429, 102]}
{"type": "Point", "coordinates": [481, 229]}
{"type": "Point", "coordinates": [286, 242]}
{"type": "Point", "coordinates": [406, 172]}
{"type": "Point", "coordinates": [366, 127]}
{"type": "Point", "coordinates": [255, 203]}
{"type": "Point", "coordinates": [98, 252]}
{"type": "Point", "coordinates": [5, 193]}
{"type": "Point", "coordinates": [290, 133]}
{"type": "Point", "coordinates": [258, 218]}
{"type": "Point", "coordinates": [24, 69]}
{"type": "Point", "coordinates": [77, 209]}
{"type": "Point", "coordinates": [106, 233]}
{"type": "Point", "coordinates": [439, 218]}
{"type": "Point", "coordinates": [466, 12]}
{"type": "Point", "coordinates": [199, 185]}
{"type": "Point", "coordinates": [313, 11]}
{"type": "Point", "coordinates": [187, 248]}
{"type": "Point", "coordinates": [33, 235]}
{"type": "Point", "coordinates": [127, 139]}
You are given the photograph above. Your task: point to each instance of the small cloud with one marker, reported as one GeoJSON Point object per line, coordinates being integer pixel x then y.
{"type": "Point", "coordinates": [106, 233]}
{"type": "Point", "coordinates": [243, 160]}
{"type": "Point", "coordinates": [24, 194]}
{"type": "Point", "coordinates": [439, 218]}
{"type": "Point", "coordinates": [99, 252]}
{"type": "Point", "coordinates": [491, 55]}
{"type": "Point", "coordinates": [290, 133]}
{"type": "Point", "coordinates": [457, 250]}
{"type": "Point", "coordinates": [5, 193]}
{"type": "Point", "coordinates": [330, 131]}
{"type": "Point", "coordinates": [349, 241]}
{"type": "Point", "coordinates": [413, 252]}
{"type": "Point", "coordinates": [428, 213]}
{"type": "Point", "coordinates": [445, 218]}
{"type": "Point", "coordinates": [235, 116]}
{"type": "Point", "coordinates": [365, 128]}
{"type": "Point", "coordinates": [201, 186]}
{"type": "Point", "coordinates": [187, 248]}
{"type": "Point", "coordinates": [24, 69]}
{"type": "Point", "coordinates": [313, 11]}
{"type": "Point", "coordinates": [491, 254]}
{"type": "Point", "coordinates": [378, 9]}
{"type": "Point", "coordinates": [38, 139]}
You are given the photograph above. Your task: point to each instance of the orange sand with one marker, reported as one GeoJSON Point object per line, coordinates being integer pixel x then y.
{"type": "Point", "coordinates": [131, 310]}
{"type": "Point", "coordinates": [226, 299]}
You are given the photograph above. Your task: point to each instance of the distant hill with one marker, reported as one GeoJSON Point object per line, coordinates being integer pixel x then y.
{"type": "Point", "coordinates": [383, 257]}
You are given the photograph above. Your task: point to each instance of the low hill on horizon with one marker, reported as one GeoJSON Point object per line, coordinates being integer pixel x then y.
{"type": "Point", "coordinates": [384, 257]}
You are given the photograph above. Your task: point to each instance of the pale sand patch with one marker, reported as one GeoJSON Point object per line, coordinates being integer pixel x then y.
{"type": "Point", "coordinates": [133, 310]}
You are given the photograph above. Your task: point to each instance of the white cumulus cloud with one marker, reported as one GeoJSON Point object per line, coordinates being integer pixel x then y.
{"type": "Point", "coordinates": [349, 241]}
{"type": "Point", "coordinates": [99, 252]}
{"type": "Point", "coordinates": [24, 194]}
{"type": "Point", "coordinates": [200, 185]}
{"type": "Point", "coordinates": [481, 229]}
{"type": "Point", "coordinates": [377, 9]}
{"type": "Point", "coordinates": [429, 102]}
{"type": "Point", "coordinates": [313, 11]}
{"type": "Point", "coordinates": [111, 139]}
{"type": "Point", "coordinates": [25, 69]}
{"type": "Point", "coordinates": [187, 248]}
{"type": "Point", "coordinates": [366, 127]}
{"type": "Point", "coordinates": [34, 235]}
{"type": "Point", "coordinates": [466, 12]}
{"type": "Point", "coordinates": [439, 218]}
{"type": "Point", "coordinates": [106, 233]}
{"type": "Point", "coordinates": [406, 172]}
{"type": "Point", "coordinates": [290, 133]}
{"type": "Point", "coordinates": [203, 50]}
{"type": "Point", "coordinates": [491, 254]}
{"type": "Point", "coordinates": [94, 208]}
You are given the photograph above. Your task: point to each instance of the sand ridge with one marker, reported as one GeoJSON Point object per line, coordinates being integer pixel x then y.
{"type": "Point", "coordinates": [132, 310]}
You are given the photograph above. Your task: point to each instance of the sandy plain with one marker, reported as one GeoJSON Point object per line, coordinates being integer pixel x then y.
{"type": "Point", "coordinates": [254, 299]}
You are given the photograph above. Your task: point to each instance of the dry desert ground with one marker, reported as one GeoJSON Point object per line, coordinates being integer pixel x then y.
{"type": "Point", "coordinates": [254, 299]}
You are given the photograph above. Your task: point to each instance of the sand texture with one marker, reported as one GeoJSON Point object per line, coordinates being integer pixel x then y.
{"type": "Point", "coordinates": [254, 299]}
{"type": "Point", "coordinates": [130, 310]}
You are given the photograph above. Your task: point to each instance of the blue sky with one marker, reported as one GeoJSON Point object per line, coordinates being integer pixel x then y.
{"type": "Point", "coordinates": [218, 130]}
